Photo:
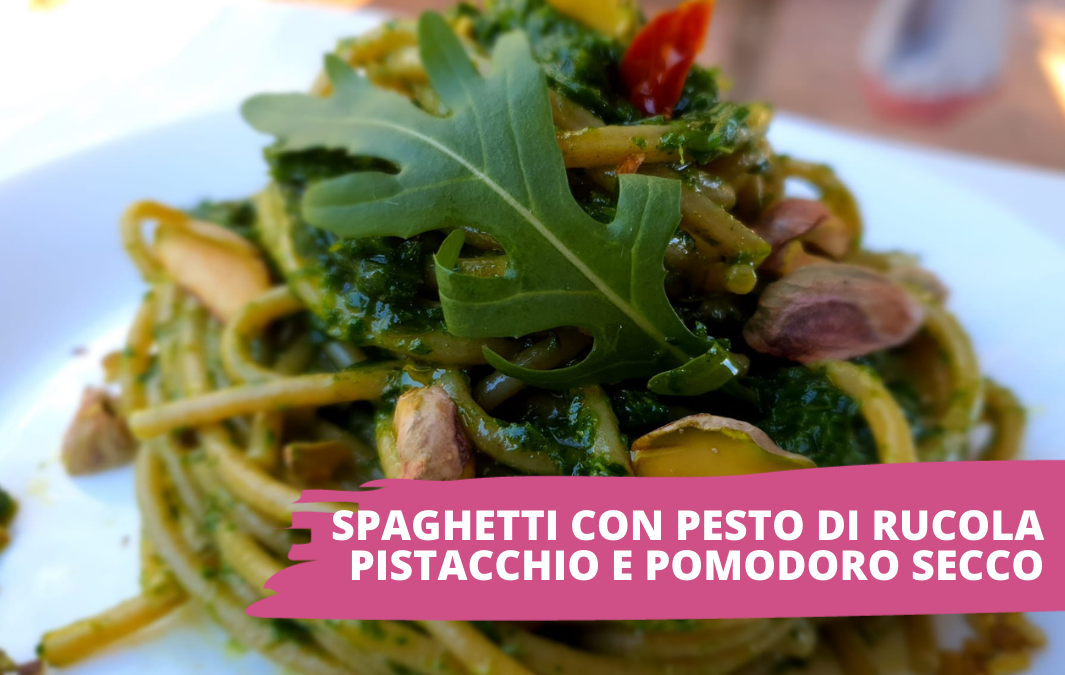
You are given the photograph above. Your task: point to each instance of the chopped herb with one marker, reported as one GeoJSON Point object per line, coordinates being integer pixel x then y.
{"type": "Point", "coordinates": [238, 216]}
{"type": "Point", "coordinates": [8, 507]}
{"type": "Point", "coordinates": [289, 630]}
{"type": "Point", "coordinates": [806, 414]}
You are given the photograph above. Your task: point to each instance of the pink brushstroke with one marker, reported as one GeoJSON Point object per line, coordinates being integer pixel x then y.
{"type": "Point", "coordinates": [322, 587]}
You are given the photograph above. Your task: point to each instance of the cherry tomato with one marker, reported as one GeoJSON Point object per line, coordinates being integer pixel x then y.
{"type": "Point", "coordinates": [657, 62]}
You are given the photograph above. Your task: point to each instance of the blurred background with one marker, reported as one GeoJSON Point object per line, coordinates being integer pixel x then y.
{"type": "Point", "coordinates": [985, 77]}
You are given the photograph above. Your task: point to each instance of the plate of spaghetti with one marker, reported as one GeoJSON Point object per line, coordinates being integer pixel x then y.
{"type": "Point", "coordinates": [531, 238]}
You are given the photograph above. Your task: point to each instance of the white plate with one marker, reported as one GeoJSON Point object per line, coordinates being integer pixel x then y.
{"type": "Point", "coordinates": [65, 283]}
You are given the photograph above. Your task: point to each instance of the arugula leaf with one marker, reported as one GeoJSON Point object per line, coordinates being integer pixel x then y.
{"type": "Point", "coordinates": [493, 164]}
{"type": "Point", "coordinates": [702, 374]}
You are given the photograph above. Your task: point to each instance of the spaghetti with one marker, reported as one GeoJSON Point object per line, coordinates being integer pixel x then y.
{"type": "Point", "coordinates": [269, 356]}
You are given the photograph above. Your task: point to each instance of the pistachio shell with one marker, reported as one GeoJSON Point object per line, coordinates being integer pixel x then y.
{"type": "Point", "coordinates": [789, 219]}
{"type": "Point", "coordinates": [832, 311]}
{"type": "Point", "coordinates": [97, 438]}
{"type": "Point", "coordinates": [921, 282]}
{"type": "Point", "coordinates": [791, 226]}
{"type": "Point", "coordinates": [219, 267]}
{"type": "Point", "coordinates": [831, 237]}
{"type": "Point", "coordinates": [708, 445]}
{"type": "Point", "coordinates": [789, 258]}
{"type": "Point", "coordinates": [430, 440]}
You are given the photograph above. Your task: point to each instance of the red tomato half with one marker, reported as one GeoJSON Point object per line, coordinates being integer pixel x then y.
{"type": "Point", "coordinates": [658, 60]}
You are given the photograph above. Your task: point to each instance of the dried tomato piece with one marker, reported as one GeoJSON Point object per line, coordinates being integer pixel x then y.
{"type": "Point", "coordinates": [657, 62]}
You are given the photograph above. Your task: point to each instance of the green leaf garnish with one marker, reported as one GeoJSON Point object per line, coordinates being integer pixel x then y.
{"type": "Point", "coordinates": [493, 164]}
{"type": "Point", "coordinates": [702, 374]}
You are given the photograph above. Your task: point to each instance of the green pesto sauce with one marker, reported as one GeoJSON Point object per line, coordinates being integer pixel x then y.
{"type": "Point", "coordinates": [665, 625]}
{"type": "Point", "coordinates": [382, 278]}
{"type": "Point", "coordinates": [580, 62]}
{"type": "Point", "coordinates": [707, 134]}
{"type": "Point", "coordinates": [597, 203]}
{"type": "Point", "coordinates": [8, 507]}
{"type": "Point", "coordinates": [806, 414]}
{"type": "Point", "coordinates": [490, 629]}
{"type": "Point", "coordinates": [920, 414]}
{"type": "Point", "coordinates": [379, 281]}
{"type": "Point", "coordinates": [371, 628]}
{"type": "Point", "coordinates": [640, 410]}
{"type": "Point", "coordinates": [798, 408]}
{"type": "Point", "coordinates": [236, 215]}
{"type": "Point", "coordinates": [299, 170]}
{"type": "Point", "coordinates": [289, 630]}
{"type": "Point", "coordinates": [701, 92]}
{"type": "Point", "coordinates": [519, 436]}
{"type": "Point", "coordinates": [571, 428]}
{"type": "Point", "coordinates": [555, 423]}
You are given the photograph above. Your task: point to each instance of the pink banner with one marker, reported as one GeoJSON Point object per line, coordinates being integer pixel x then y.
{"type": "Point", "coordinates": [991, 539]}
